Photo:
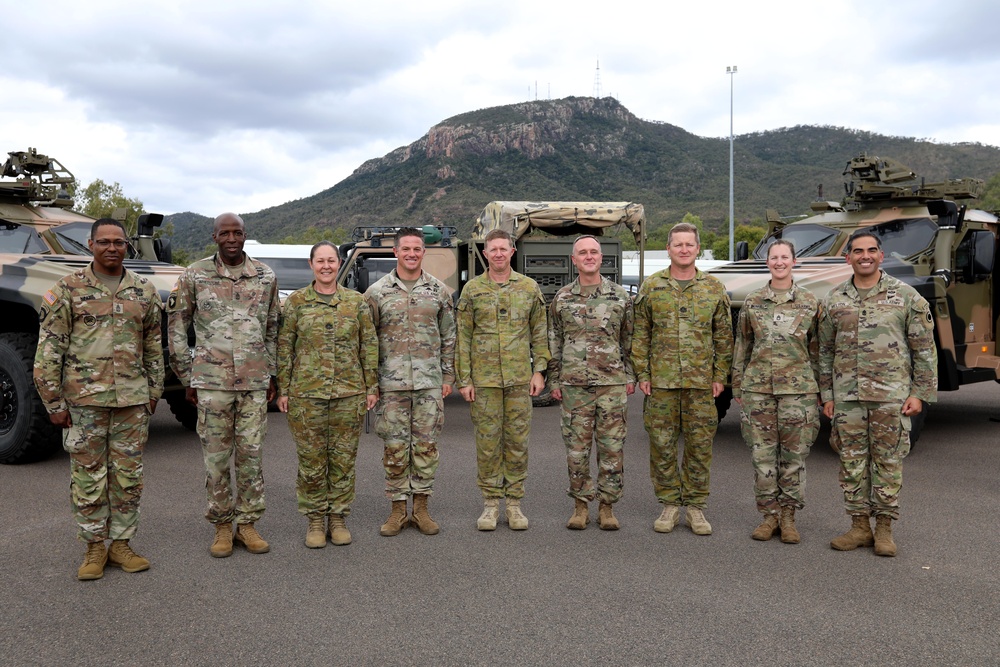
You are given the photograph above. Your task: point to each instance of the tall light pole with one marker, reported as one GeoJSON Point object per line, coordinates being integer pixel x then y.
{"type": "Point", "coordinates": [731, 71]}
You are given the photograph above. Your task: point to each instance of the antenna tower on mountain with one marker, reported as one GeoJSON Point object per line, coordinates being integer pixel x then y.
{"type": "Point", "coordinates": [597, 81]}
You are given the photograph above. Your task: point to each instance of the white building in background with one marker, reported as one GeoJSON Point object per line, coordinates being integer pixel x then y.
{"type": "Point", "coordinates": [656, 260]}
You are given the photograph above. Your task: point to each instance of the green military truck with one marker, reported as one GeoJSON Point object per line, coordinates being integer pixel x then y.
{"type": "Point", "coordinates": [42, 240]}
{"type": "Point", "coordinates": [543, 234]}
{"type": "Point", "coordinates": [943, 248]}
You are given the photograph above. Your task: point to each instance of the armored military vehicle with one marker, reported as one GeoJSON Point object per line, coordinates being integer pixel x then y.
{"type": "Point", "coordinates": [543, 234]}
{"type": "Point", "coordinates": [42, 240]}
{"type": "Point", "coordinates": [944, 249]}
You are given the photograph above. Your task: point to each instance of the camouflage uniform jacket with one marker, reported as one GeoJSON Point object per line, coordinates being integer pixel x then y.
{"type": "Point", "coordinates": [880, 348]}
{"type": "Point", "coordinates": [416, 333]}
{"type": "Point", "coordinates": [777, 343]}
{"type": "Point", "coordinates": [502, 332]}
{"type": "Point", "coordinates": [326, 350]}
{"type": "Point", "coordinates": [97, 348]}
{"type": "Point", "coordinates": [590, 337]}
{"type": "Point", "coordinates": [683, 339]}
{"type": "Point", "coordinates": [235, 320]}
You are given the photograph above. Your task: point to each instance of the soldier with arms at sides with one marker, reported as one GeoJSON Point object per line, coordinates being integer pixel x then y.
{"type": "Point", "coordinates": [231, 301]}
{"type": "Point", "coordinates": [590, 337]}
{"type": "Point", "coordinates": [878, 364]}
{"type": "Point", "coordinates": [99, 372]}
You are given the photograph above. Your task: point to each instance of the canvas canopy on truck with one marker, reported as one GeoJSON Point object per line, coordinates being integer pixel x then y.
{"type": "Point", "coordinates": [560, 218]}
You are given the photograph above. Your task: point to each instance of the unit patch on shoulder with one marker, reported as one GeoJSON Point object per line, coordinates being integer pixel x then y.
{"type": "Point", "coordinates": [930, 318]}
{"type": "Point", "coordinates": [172, 301]}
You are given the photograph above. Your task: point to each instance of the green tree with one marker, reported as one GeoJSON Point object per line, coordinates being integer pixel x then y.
{"type": "Point", "coordinates": [991, 195]}
{"type": "Point", "coordinates": [313, 235]}
{"type": "Point", "coordinates": [101, 200]}
{"type": "Point", "coordinates": [752, 234]}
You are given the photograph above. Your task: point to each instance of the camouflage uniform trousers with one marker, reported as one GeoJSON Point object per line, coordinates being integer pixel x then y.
{"type": "Point", "coordinates": [873, 439]}
{"type": "Point", "coordinates": [326, 433]}
{"type": "Point", "coordinates": [105, 457]}
{"type": "Point", "coordinates": [600, 411]}
{"type": "Point", "coordinates": [232, 426]}
{"type": "Point", "coordinates": [410, 423]}
{"type": "Point", "coordinates": [666, 414]}
{"type": "Point", "coordinates": [779, 429]}
{"type": "Point", "coordinates": [501, 418]}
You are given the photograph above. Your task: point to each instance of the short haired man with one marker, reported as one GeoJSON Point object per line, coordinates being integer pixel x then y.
{"type": "Point", "coordinates": [502, 353]}
{"type": "Point", "coordinates": [590, 337]}
{"type": "Point", "coordinates": [231, 302]}
{"type": "Point", "coordinates": [99, 372]}
{"type": "Point", "coordinates": [415, 321]}
{"type": "Point", "coordinates": [878, 364]}
{"type": "Point", "coordinates": [682, 350]}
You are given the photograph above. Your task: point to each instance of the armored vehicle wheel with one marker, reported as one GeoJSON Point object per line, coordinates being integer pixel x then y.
{"type": "Point", "coordinates": [25, 430]}
{"type": "Point", "coordinates": [185, 413]}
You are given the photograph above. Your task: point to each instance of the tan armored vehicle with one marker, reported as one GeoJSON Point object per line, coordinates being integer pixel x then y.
{"type": "Point", "coordinates": [944, 249]}
{"type": "Point", "coordinates": [42, 240]}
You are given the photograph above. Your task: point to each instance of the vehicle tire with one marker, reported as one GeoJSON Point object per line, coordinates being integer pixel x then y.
{"type": "Point", "coordinates": [723, 401]}
{"type": "Point", "coordinates": [185, 413]}
{"type": "Point", "coordinates": [26, 434]}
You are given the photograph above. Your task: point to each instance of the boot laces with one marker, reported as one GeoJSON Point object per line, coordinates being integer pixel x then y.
{"type": "Point", "coordinates": [93, 554]}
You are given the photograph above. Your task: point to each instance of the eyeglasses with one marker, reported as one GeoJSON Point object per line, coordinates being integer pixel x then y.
{"type": "Point", "coordinates": [104, 243]}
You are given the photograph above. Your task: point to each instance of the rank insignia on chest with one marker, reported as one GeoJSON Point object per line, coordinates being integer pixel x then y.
{"type": "Point", "coordinates": [119, 309]}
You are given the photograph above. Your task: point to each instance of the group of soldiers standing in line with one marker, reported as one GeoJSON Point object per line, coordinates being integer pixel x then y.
{"type": "Point", "coordinates": [865, 357]}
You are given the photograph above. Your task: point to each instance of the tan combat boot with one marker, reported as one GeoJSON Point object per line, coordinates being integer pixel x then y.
{"type": "Point", "coordinates": [884, 544]}
{"type": "Point", "coordinates": [248, 536]}
{"type": "Point", "coordinates": [698, 523]}
{"type": "Point", "coordinates": [339, 534]}
{"type": "Point", "coordinates": [421, 517]}
{"type": "Point", "coordinates": [766, 529]}
{"type": "Point", "coordinates": [222, 545]}
{"type": "Point", "coordinates": [515, 518]}
{"type": "Point", "coordinates": [93, 562]}
{"type": "Point", "coordinates": [606, 517]}
{"type": "Point", "coordinates": [491, 512]}
{"type": "Point", "coordinates": [316, 533]}
{"type": "Point", "coordinates": [789, 533]}
{"type": "Point", "coordinates": [860, 535]}
{"type": "Point", "coordinates": [397, 520]}
{"type": "Point", "coordinates": [668, 519]}
{"type": "Point", "coordinates": [581, 516]}
{"type": "Point", "coordinates": [121, 555]}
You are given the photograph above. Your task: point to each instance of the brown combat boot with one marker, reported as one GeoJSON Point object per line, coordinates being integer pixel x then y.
{"type": "Point", "coordinates": [316, 533]}
{"type": "Point", "coordinates": [248, 536]}
{"type": "Point", "coordinates": [515, 517]}
{"type": "Point", "coordinates": [860, 535]}
{"type": "Point", "coordinates": [491, 512]}
{"type": "Point", "coordinates": [397, 520]}
{"type": "Point", "coordinates": [606, 517]}
{"type": "Point", "coordinates": [884, 544]}
{"type": "Point", "coordinates": [93, 562]}
{"type": "Point", "coordinates": [421, 517]}
{"type": "Point", "coordinates": [789, 533]}
{"type": "Point", "coordinates": [581, 516]}
{"type": "Point", "coordinates": [766, 529]}
{"type": "Point", "coordinates": [668, 519]}
{"type": "Point", "coordinates": [121, 555]}
{"type": "Point", "coordinates": [339, 534]}
{"type": "Point", "coordinates": [222, 545]}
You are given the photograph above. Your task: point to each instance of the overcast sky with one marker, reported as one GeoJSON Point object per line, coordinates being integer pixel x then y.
{"type": "Point", "coordinates": [211, 106]}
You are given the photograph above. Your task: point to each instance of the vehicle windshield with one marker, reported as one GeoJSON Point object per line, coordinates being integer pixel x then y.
{"type": "Point", "coordinates": [292, 272]}
{"type": "Point", "coordinates": [810, 240]}
{"type": "Point", "coordinates": [19, 239]}
{"type": "Point", "coordinates": [904, 238]}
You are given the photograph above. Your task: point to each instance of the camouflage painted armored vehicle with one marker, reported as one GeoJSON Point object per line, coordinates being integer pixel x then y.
{"type": "Point", "coordinates": [944, 249]}
{"type": "Point", "coordinates": [42, 240]}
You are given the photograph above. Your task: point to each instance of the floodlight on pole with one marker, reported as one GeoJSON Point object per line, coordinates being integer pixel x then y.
{"type": "Point", "coordinates": [732, 232]}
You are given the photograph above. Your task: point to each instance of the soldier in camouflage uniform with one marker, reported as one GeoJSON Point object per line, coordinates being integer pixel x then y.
{"type": "Point", "coordinates": [878, 365]}
{"type": "Point", "coordinates": [775, 369]}
{"type": "Point", "coordinates": [231, 301]}
{"type": "Point", "coordinates": [681, 351]}
{"type": "Point", "coordinates": [502, 353]}
{"type": "Point", "coordinates": [415, 320]}
{"type": "Point", "coordinates": [590, 336]}
{"type": "Point", "coordinates": [327, 364]}
{"type": "Point", "coordinates": [99, 372]}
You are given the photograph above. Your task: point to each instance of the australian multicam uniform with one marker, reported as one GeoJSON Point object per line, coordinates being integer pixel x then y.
{"type": "Point", "coordinates": [775, 375]}
{"type": "Point", "coordinates": [100, 356]}
{"type": "Point", "coordinates": [875, 352]}
{"type": "Point", "coordinates": [590, 336]}
{"type": "Point", "coordinates": [235, 320]}
{"type": "Point", "coordinates": [682, 343]}
{"type": "Point", "coordinates": [502, 341]}
{"type": "Point", "coordinates": [327, 363]}
{"type": "Point", "coordinates": [416, 357]}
